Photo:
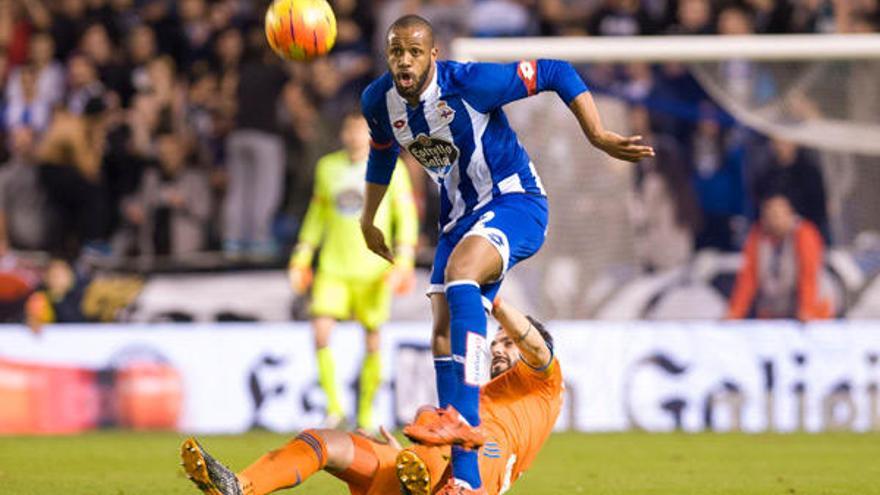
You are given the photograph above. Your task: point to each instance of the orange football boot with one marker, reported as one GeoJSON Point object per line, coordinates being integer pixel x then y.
{"type": "Point", "coordinates": [444, 427]}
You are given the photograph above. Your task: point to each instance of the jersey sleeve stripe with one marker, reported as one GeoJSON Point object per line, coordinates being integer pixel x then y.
{"type": "Point", "coordinates": [528, 73]}
{"type": "Point", "coordinates": [380, 146]}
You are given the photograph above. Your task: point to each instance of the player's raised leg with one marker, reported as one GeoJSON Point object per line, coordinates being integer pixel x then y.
{"type": "Point", "coordinates": [473, 262]}
{"type": "Point", "coordinates": [447, 382]}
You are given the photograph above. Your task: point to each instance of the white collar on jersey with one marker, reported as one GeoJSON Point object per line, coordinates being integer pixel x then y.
{"type": "Point", "coordinates": [432, 92]}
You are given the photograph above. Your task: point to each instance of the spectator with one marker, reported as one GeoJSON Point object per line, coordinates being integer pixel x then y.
{"type": "Point", "coordinates": [18, 21]}
{"type": "Point", "coordinates": [49, 73]}
{"type": "Point", "coordinates": [142, 50]}
{"type": "Point", "coordinates": [70, 159]}
{"type": "Point", "coordinates": [83, 83]}
{"type": "Point", "coordinates": [743, 78]}
{"type": "Point", "coordinates": [692, 17]}
{"type": "Point", "coordinates": [307, 137]}
{"type": "Point", "coordinates": [196, 28]}
{"type": "Point", "coordinates": [796, 173]}
{"type": "Point", "coordinates": [492, 18]}
{"type": "Point", "coordinates": [130, 149]}
{"type": "Point", "coordinates": [200, 115]}
{"type": "Point", "coordinates": [170, 38]}
{"type": "Point", "coordinates": [98, 47]}
{"type": "Point", "coordinates": [255, 159]}
{"type": "Point", "coordinates": [716, 159]}
{"type": "Point", "coordinates": [23, 205]}
{"type": "Point", "coordinates": [665, 211]}
{"type": "Point", "coordinates": [27, 107]}
{"type": "Point", "coordinates": [161, 83]}
{"type": "Point", "coordinates": [619, 18]}
{"type": "Point", "coordinates": [782, 262]}
{"type": "Point", "coordinates": [122, 19]}
{"type": "Point", "coordinates": [449, 18]}
{"type": "Point", "coordinates": [59, 298]}
{"type": "Point", "coordinates": [340, 78]}
{"type": "Point", "coordinates": [228, 55]}
{"type": "Point", "coordinates": [171, 210]}
{"type": "Point", "coordinates": [565, 17]}
{"type": "Point", "coordinates": [69, 22]}
{"type": "Point", "coordinates": [775, 17]}
{"type": "Point", "coordinates": [228, 51]}
{"type": "Point", "coordinates": [100, 12]}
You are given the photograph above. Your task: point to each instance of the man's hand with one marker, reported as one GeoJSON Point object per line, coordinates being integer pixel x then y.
{"type": "Point", "coordinates": [621, 147]}
{"type": "Point", "coordinates": [300, 279]}
{"type": "Point", "coordinates": [375, 240]}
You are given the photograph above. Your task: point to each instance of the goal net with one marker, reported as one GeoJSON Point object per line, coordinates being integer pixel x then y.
{"type": "Point", "coordinates": [819, 94]}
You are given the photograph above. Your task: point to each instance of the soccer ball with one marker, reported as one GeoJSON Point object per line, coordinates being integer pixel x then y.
{"type": "Point", "coordinates": [300, 29]}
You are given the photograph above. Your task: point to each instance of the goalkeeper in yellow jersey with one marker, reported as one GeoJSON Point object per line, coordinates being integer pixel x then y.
{"type": "Point", "coordinates": [351, 281]}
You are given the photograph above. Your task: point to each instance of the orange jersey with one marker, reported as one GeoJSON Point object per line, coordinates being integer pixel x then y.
{"type": "Point", "coordinates": [517, 409]}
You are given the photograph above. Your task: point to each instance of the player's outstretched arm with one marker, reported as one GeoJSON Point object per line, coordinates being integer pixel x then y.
{"type": "Point", "coordinates": [627, 148]}
{"type": "Point", "coordinates": [380, 168]}
{"type": "Point", "coordinates": [532, 346]}
{"type": "Point", "coordinates": [373, 236]}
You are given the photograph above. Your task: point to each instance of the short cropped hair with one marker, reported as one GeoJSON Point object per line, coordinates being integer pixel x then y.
{"type": "Point", "coordinates": [412, 21]}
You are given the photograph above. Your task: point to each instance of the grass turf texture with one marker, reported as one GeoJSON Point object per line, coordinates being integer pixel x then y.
{"type": "Point", "coordinates": [115, 463]}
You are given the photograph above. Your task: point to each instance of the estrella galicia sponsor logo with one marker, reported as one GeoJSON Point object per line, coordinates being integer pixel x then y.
{"type": "Point", "coordinates": [433, 153]}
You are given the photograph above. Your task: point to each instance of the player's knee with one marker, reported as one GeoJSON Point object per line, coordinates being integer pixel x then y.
{"type": "Point", "coordinates": [480, 269]}
{"type": "Point", "coordinates": [334, 447]}
{"type": "Point", "coordinates": [461, 270]}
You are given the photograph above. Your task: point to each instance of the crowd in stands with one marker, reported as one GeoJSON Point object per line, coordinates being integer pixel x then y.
{"type": "Point", "coordinates": [168, 128]}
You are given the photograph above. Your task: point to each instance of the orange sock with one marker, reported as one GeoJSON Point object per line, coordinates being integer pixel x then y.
{"type": "Point", "coordinates": [285, 467]}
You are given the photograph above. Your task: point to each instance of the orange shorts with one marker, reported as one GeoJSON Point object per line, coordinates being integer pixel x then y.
{"type": "Point", "coordinates": [373, 471]}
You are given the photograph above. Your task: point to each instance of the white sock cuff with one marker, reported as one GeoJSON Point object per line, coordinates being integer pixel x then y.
{"type": "Point", "coordinates": [462, 282]}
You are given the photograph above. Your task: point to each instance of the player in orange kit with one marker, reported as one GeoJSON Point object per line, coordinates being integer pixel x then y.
{"type": "Point", "coordinates": [519, 405]}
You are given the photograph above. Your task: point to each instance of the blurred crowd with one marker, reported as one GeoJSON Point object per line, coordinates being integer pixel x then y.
{"type": "Point", "coordinates": [164, 129]}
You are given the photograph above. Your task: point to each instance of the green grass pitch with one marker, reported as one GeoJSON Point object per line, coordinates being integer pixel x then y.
{"type": "Point", "coordinates": [115, 463]}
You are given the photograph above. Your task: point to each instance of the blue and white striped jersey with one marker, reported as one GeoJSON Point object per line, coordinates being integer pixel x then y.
{"type": "Point", "coordinates": [459, 133]}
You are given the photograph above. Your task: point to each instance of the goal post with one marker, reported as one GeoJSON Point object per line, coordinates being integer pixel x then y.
{"type": "Point", "coordinates": [701, 48]}
{"type": "Point", "coordinates": [821, 92]}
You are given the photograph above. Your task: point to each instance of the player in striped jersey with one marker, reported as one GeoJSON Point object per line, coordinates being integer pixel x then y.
{"type": "Point", "coordinates": [493, 206]}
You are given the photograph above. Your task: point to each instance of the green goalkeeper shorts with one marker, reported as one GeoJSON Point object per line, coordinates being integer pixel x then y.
{"type": "Point", "coordinates": [366, 301]}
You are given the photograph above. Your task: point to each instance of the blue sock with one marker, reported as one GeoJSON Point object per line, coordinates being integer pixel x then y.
{"type": "Point", "coordinates": [447, 381]}
{"type": "Point", "coordinates": [468, 335]}
{"type": "Point", "coordinates": [466, 466]}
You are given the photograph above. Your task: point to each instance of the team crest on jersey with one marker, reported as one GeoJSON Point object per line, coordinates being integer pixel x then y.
{"type": "Point", "coordinates": [434, 154]}
{"type": "Point", "coordinates": [446, 114]}
{"type": "Point", "coordinates": [350, 201]}
{"type": "Point", "coordinates": [399, 123]}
